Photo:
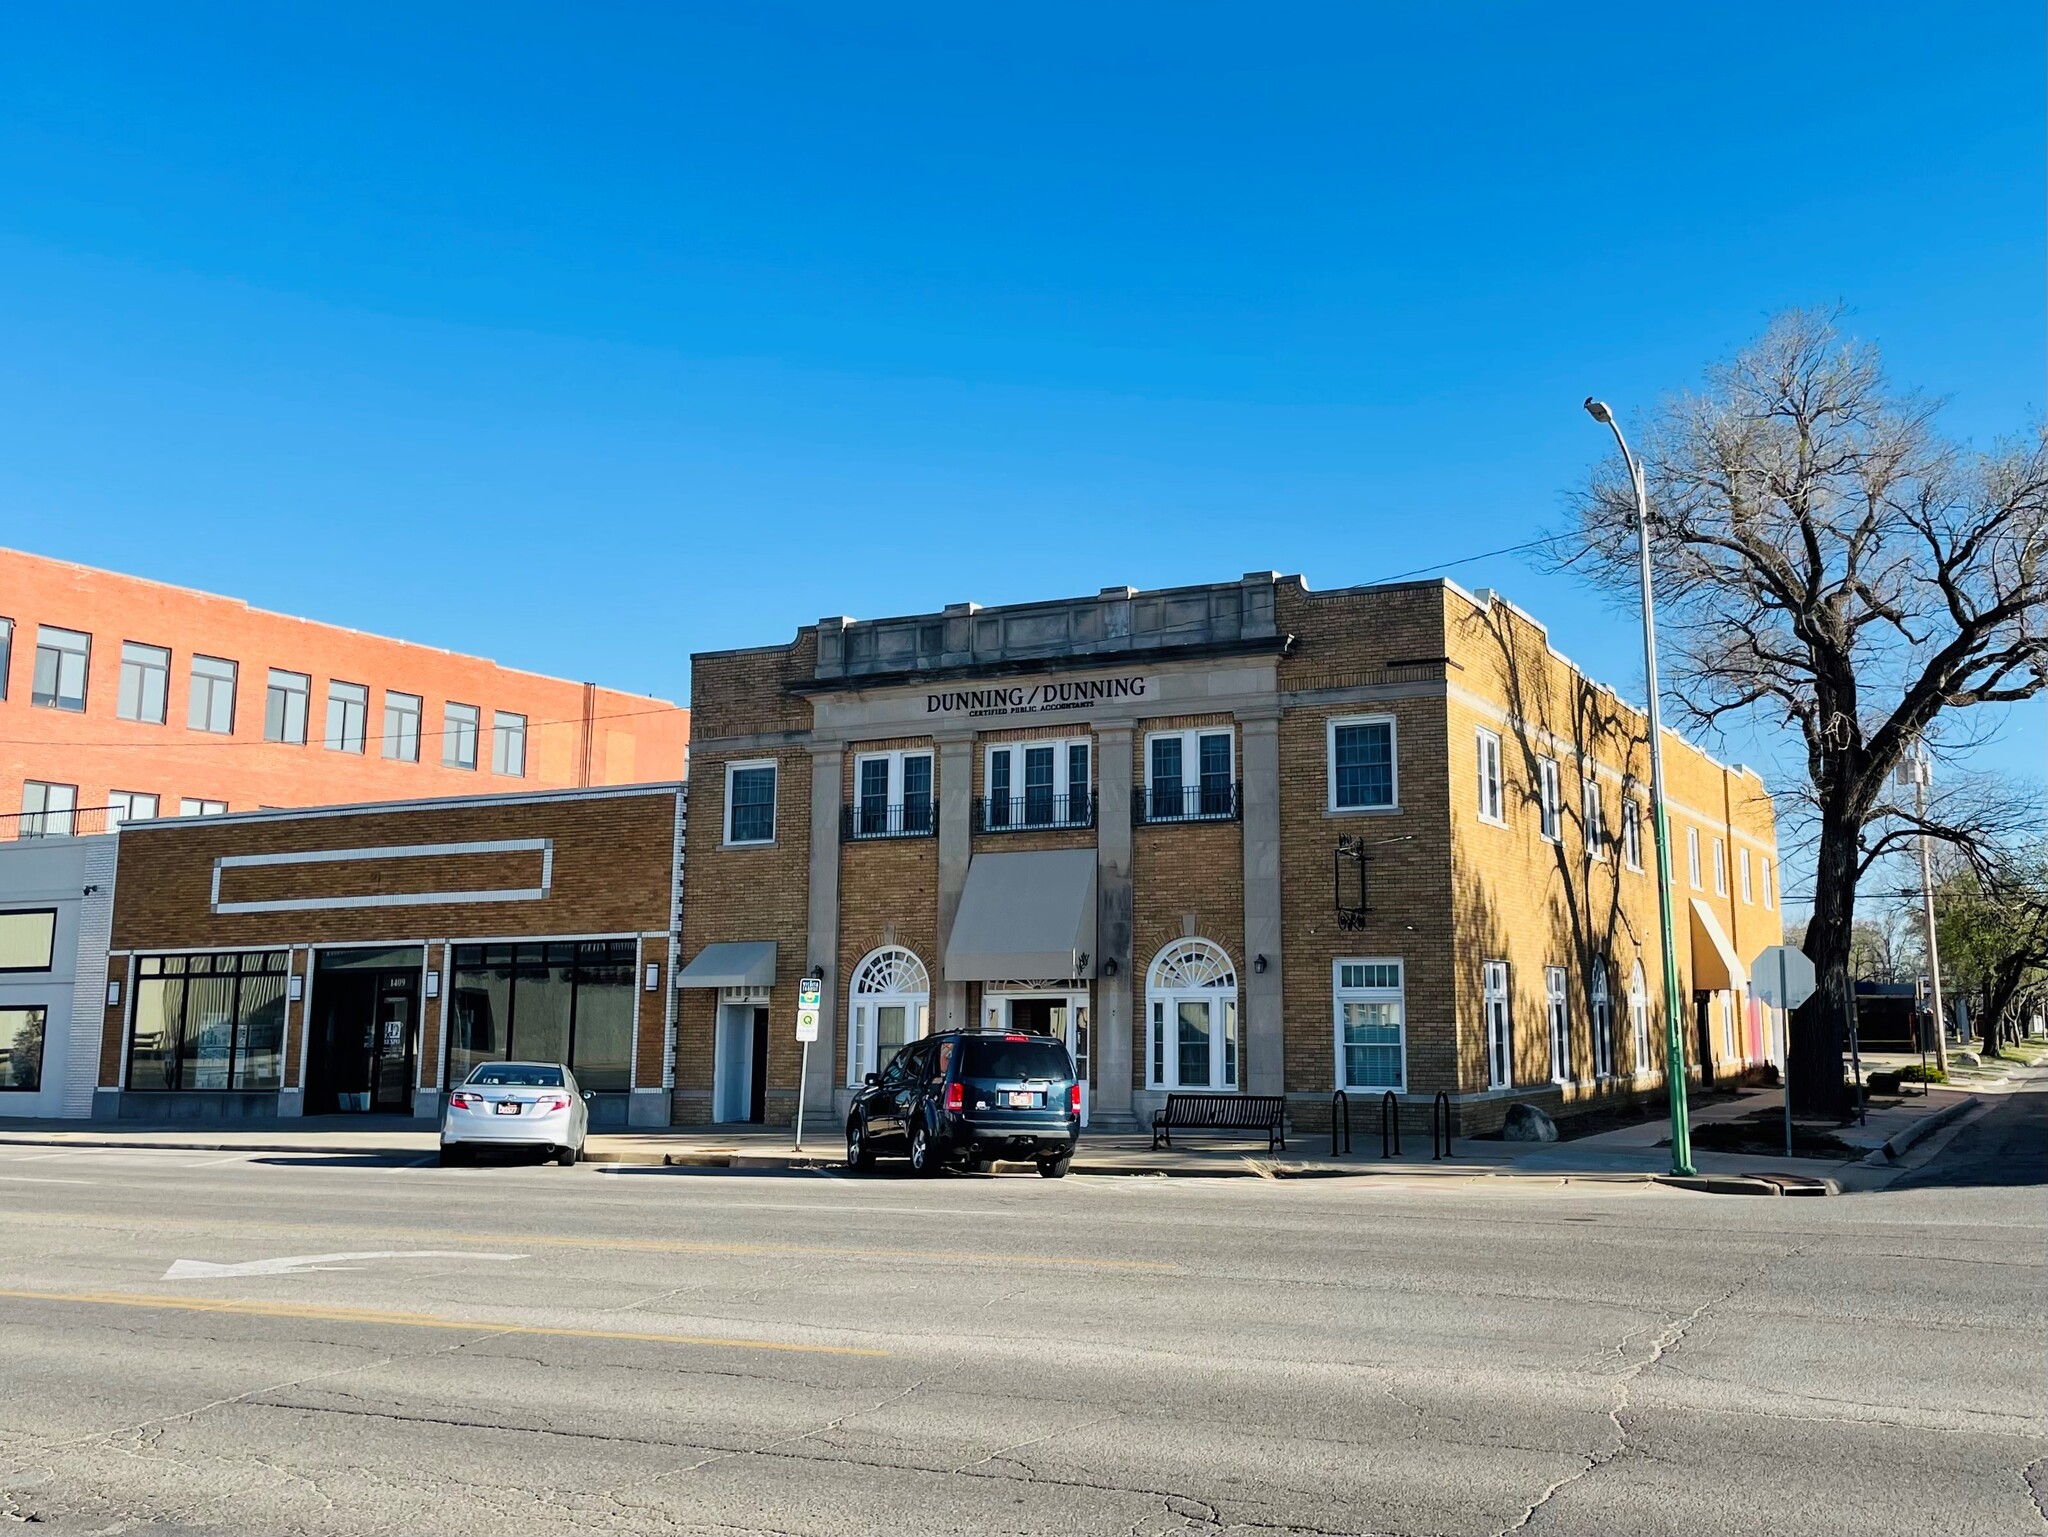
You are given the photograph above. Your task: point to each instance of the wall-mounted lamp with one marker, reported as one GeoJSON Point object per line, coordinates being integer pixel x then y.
{"type": "Point", "coordinates": [1109, 967]}
{"type": "Point", "coordinates": [114, 994]}
{"type": "Point", "coordinates": [1259, 965]}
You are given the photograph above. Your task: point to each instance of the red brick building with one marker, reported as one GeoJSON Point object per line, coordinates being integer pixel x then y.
{"type": "Point", "coordinates": [154, 700]}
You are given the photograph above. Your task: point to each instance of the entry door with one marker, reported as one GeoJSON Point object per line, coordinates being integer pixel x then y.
{"type": "Point", "coordinates": [392, 1046]}
{"type": "Point", "coordinates": [757, 1098]}
{"type": "Point", "coordinates": [1065, 1018]}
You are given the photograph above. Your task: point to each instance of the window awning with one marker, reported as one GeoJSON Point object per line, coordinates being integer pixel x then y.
{"type": "Point", "coordinates": [747, 964]}
{"type": "Point", "coordinates": [1715, 965]}
{"type": "Point", "coordinates": [1025, 915]}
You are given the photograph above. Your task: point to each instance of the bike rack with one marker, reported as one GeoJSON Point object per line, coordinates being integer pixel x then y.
{"type": "Point", "coordinates": [1340, 1101]}
{"type": "Point", "coordinates": [1442, 1107]}
{"type": "Point", "coordinates": [1390, 1123]}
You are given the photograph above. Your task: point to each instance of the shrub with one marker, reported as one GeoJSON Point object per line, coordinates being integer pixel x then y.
{"type": "Point", "coordinates": [1922, 1072]}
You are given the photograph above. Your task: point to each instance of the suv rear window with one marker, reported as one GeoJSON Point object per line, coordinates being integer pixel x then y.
{"type": "Point", "coordinates": [1002, 1058]}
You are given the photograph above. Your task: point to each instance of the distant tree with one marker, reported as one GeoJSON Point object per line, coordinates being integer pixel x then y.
{"type": "Point", "coordinates": [1826, 562]}
{"type": "Point", "coordinates": [1887, 948]}
{"type": "Point", "coordinates": [1991, 919]}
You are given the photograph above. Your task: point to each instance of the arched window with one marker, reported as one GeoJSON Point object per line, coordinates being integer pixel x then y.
{"type": "Point", "coordinates": [1603, 1022]}
{"type": "Point", "coordinates": [889, 1003]}
{"type": "Point", "coordinates": [1192, 990]}
{"type": "Point", "coordinates": [1639, 1019]}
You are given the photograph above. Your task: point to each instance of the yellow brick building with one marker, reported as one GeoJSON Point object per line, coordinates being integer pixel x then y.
{"type": "Point", "coordinates": [1241, 837]}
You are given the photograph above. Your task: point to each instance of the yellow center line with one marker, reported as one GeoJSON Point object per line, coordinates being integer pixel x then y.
{"type": "Point", "coordinates": [306, 1311]}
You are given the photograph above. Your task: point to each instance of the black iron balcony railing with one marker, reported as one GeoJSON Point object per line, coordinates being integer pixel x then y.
{"type": "Point", "coordinates": [876, 819]}
{"type": "Point", "coordinates": [1211, 802]}
{"type": "Point", "coordinates": [76, 822]}
{"type": "Point", "coordinates": [1022, 813]}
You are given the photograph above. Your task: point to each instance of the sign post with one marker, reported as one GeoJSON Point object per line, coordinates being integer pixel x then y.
{"type": "Point", "coordinates": [810, 993]}
{"type": "Point", "coordinates": [1783, 979]}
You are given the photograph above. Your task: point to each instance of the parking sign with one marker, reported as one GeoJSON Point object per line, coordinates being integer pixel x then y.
{"type": "Point", "coordinates": [810, 993]}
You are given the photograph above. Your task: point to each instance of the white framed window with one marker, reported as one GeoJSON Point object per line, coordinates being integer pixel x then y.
{"type": "Point", "coordinates": [6, 653]}
{"type": "Point", "coordinates": [348, 716]}
{"type": "Point", "coordinates": [892, 793]}
{"type": "Point", "coordinates": [1765, 872]}
{"type": "Point", "coordinates": [460, 724]}
{"type": "Point", "coordinates": [1632, 833]}
{"type": "Point", "coordinates": [63, 660]}
{"type": "Point", "coordinates": [1372, 1046]}
{"type": "Point", "coordinates": [1591, 816]}
{"type": "Point", "coordinates": [198, 806]}
{"type": "Point", "coordinates": [402, 727]}
{"type": "Point", "coordinates": [1603, 1021]}
{"type": "Point", "coordinates": [1731, 1046]}
{"type": "Point", "coordinates": [1720, 868]}
{"type": "Point", "coordinates": [1363, 764]}
{"type": "Point", "coordinates": [1742, 871]}
{"type": "Point", "coordinates": [1557, 1004]}
{"type": "Point", "coordinates": [750, 802]}
{"type": "Point", "coordinates": [1191, 775]}
{"type": "Point", "coordinates": [1500, 1035]}
{"type": "Point", "coordinates": [145, 681]}
{"type": "Point", "coordinates": [1492, 805]}
{"type": "Point", "coordinates": [1549, 801]}
{"type": "Point", "coordinates": [1037, 784]}
{"type": "Point", "coordinates": [130, 806]}
{"type": "Point", "coordinates": [284, 707]}
{"type": "Point", "coordinates": [1191, 998]}
{"type": "Point", "coordinates": [48, 810]}
{"type": "Point", "coordinates": [1639, 1019]}
{"type": "Point", "coordinates": [212, 705]}
{"type": "Point", "coordinates": [889, 1003]}
{"type": "Point", "coordinates": [1692, 857]}
{"type": "Point", "coordinates": [508, 744]}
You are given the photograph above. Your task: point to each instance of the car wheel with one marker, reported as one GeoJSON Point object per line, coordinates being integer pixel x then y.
{"type": "Point", "coordinates": [859, 1155]}
{"type": "Point", "coordinates": [924, 1157]}
{"type": "Point", "coordinates": [567, 1156]}
{"type": "Point", "coordinates": [1055, 1168]}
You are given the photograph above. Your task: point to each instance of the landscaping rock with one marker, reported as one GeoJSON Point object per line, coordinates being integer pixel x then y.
{"type": "Point", "coordinates": [1965, 1059]}
{"type": "Point", "coordinates": [1525, 1123]}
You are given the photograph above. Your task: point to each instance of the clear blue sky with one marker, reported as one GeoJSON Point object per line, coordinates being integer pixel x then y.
{"type": "Point", "coordinates": [587, 336]}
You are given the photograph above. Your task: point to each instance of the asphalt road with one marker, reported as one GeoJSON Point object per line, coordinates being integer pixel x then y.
{"type": "Point", "coordinates": [546, 1350]}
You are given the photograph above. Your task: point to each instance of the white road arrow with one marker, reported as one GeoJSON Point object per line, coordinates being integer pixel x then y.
{"type": "Point", "coordinates": [304, 1264]}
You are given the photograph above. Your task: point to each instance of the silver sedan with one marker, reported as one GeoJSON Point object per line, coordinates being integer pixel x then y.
{"type": "Point", "coordinates": [517, 1104]}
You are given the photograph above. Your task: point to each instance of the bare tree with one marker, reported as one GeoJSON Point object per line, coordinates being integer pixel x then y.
{"type": "Point", "coordinates": [1993, 918]}
{"type": "Point", "coordinates": [1828, 563]}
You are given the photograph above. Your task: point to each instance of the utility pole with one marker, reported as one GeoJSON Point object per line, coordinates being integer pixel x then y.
{"type": "Point", "coordinates": [1917, 764]}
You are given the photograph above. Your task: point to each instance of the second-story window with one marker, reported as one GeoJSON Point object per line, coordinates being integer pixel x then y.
{"type": "Point", "coordinates": [458, 737]}
{"type": "Point", "coordinates": [1589, 813]}
{"type": "Point", "coordinates": [284, 707]}
{"type": "Point", "coordinates": [348, 716]}
{"type": "Point", "coordinates": [1190, 775]}
{"type": "Point", "coordinates": [1490, 793]}
{"type": "Point", "coordinates": [145, 681]}
{"type": "Point", "coordinates": [63, 658]}
{"type": "Point", "coordinates": [1362, 771]}
{"type": "Point", "coordinates": [6, 653]}
{"type": "Point", "coordinates": [1037, 784]}
{"type": "Point", "coordinates": [1742, 864]}
{"type": "Point", "coordinates": [1632, 833]}
{"type": "Point", "coordinates": [199, 806]}
{"type": "Point", "coordinates": [212, 706]}
{"type": "Point", "coordinates": [402, 727]}
{"type": "Point", "coordinates": [508, 744]}
{"type": "Point", "coordinates": [750, 803]}
{"type": "Point", "coordinates": [893, 794]}
{"type": "Point", "coordinates": [1720, 868]}
{"type": "Point", "coordinates": [1550, 814]}
{"type": "Point", "coordinates": [1692, 857]}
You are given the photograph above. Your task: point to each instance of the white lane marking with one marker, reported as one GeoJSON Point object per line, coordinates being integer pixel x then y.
{"type": "Point", "coordinates": [40, 1157]}
{"type": "Point", "coordinates": [31, 1179]}
{"type": "Point", "coordinates": [304, 1264]}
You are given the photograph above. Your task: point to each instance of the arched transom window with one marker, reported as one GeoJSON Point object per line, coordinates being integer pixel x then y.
{"type": "Point", "coordinates": [888, 1004]}
{"type": "Point", "coordinates": [1192, 993]}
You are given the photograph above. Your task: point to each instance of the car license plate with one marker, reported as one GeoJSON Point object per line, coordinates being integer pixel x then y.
{"type": "Point", "coordinates": [508, 1107]}
{"type": "Point", "coordinates": [1022, 1099]}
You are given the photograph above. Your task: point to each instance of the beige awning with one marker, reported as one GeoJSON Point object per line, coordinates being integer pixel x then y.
{"type": "Point", "coordinates": [1715, 965]}
{"type": "Point", "coordinates": [747, 964]}
{"type": "Point", "coordinates": [1025, 915]}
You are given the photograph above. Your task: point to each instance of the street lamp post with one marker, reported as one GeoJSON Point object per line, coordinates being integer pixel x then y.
{"type": "Point", "coordinates": [1674, 1036]}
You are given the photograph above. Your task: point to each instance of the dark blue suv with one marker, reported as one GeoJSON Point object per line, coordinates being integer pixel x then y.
{"type": "Point", "coordinates": [967, 1100]}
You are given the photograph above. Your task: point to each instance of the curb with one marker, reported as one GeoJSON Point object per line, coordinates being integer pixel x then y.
{"type": "Point", "coordinates": [1884, 1156]}
{"type": "Point", "coordinates": [1750, 1184]}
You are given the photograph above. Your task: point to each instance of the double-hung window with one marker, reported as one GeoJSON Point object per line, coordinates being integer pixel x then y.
{"type": "Point", "coordinates": [1639, 1019]}
{"type": "Point", "coordinates": [892, 795]}
{"type": "Point", "coordinates": [212, 705]}
{"type": "Point", "coordinates": [1603, 1022]}
{"type": "Point", "coordinates": [401, 727]}
{"type": "Point", "coordinates": [1632, 833]}
{"type": "Point", "coordinates": [48, 810]}
{"type": "Point", "coordinates": [1038, 784]}
{"type": "Point", "coordinates": [1590, 814]}
{"type": "Point", "coordinates": [199, 806]}
{"type": "Point", "coordinates": [508, 744]}
{"type": "Point", "coordinates": [63, 658]}
{"type": "Point", "coordinates": [285, 703]}
{"type": "Point", "coordinates": [1692, 857]}
{"type": "Point", "coordinates": [130, 806]}
{"type": "Point", "coordinates": [1363, 771]}
{"type": "Point", "coordinates": [6, 653]}
{"type": "Point", "coordinates": [1190, 775]}
{"type": "Point", "coordinates": [1742, 864]}
{"type": "Point", "coordinates": [1558, 1006]}
{"type": "Point", "coordinates": [1371, 1045]}
{"type": "Point", "coordinates": [1491, 794]}
{"type": "Point", "coordinates": [458, 739]}
{"type": "Point", "coordinates": [1550, 813]}
{"type": "Point", "coordinates": [1766, 874]}
{"type": "Point", "coordinates": [1500, 1066]}
{"type": "Point", "coordinates": [1720, 868]}
{"type": "Point", "coordinates": [348, 716]}
{"type": "Point", "coordinates": [750, 802]}
{"type": "Point", "coordinates": [145, 681]}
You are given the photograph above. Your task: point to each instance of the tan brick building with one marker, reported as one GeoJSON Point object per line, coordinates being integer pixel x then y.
{"type": "Point", "coordinates": [359, 959]}
{"type": "Point", "coordinates": [1240, 837]}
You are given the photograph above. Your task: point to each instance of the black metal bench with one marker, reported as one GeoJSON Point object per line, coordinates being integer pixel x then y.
{"type": "Point", "coordinates": [1222, 1112]}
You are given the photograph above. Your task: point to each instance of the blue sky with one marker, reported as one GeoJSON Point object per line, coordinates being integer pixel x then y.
{"type": "Point", "coordinates": [587, 336]}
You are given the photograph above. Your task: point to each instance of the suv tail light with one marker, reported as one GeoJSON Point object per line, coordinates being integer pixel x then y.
{"type": "Point", "coordinates": [1074, 1098]}
{"type": "Point", "coordinates": [462, 1101]}
{"type": "Point", "coordinates": [956, 1096]}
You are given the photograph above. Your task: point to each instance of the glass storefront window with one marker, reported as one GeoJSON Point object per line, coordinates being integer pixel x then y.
{"type": "Point", "coordinates": [208, 1021]}
{"type": "Point", "coordinates": [571, 1003]}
